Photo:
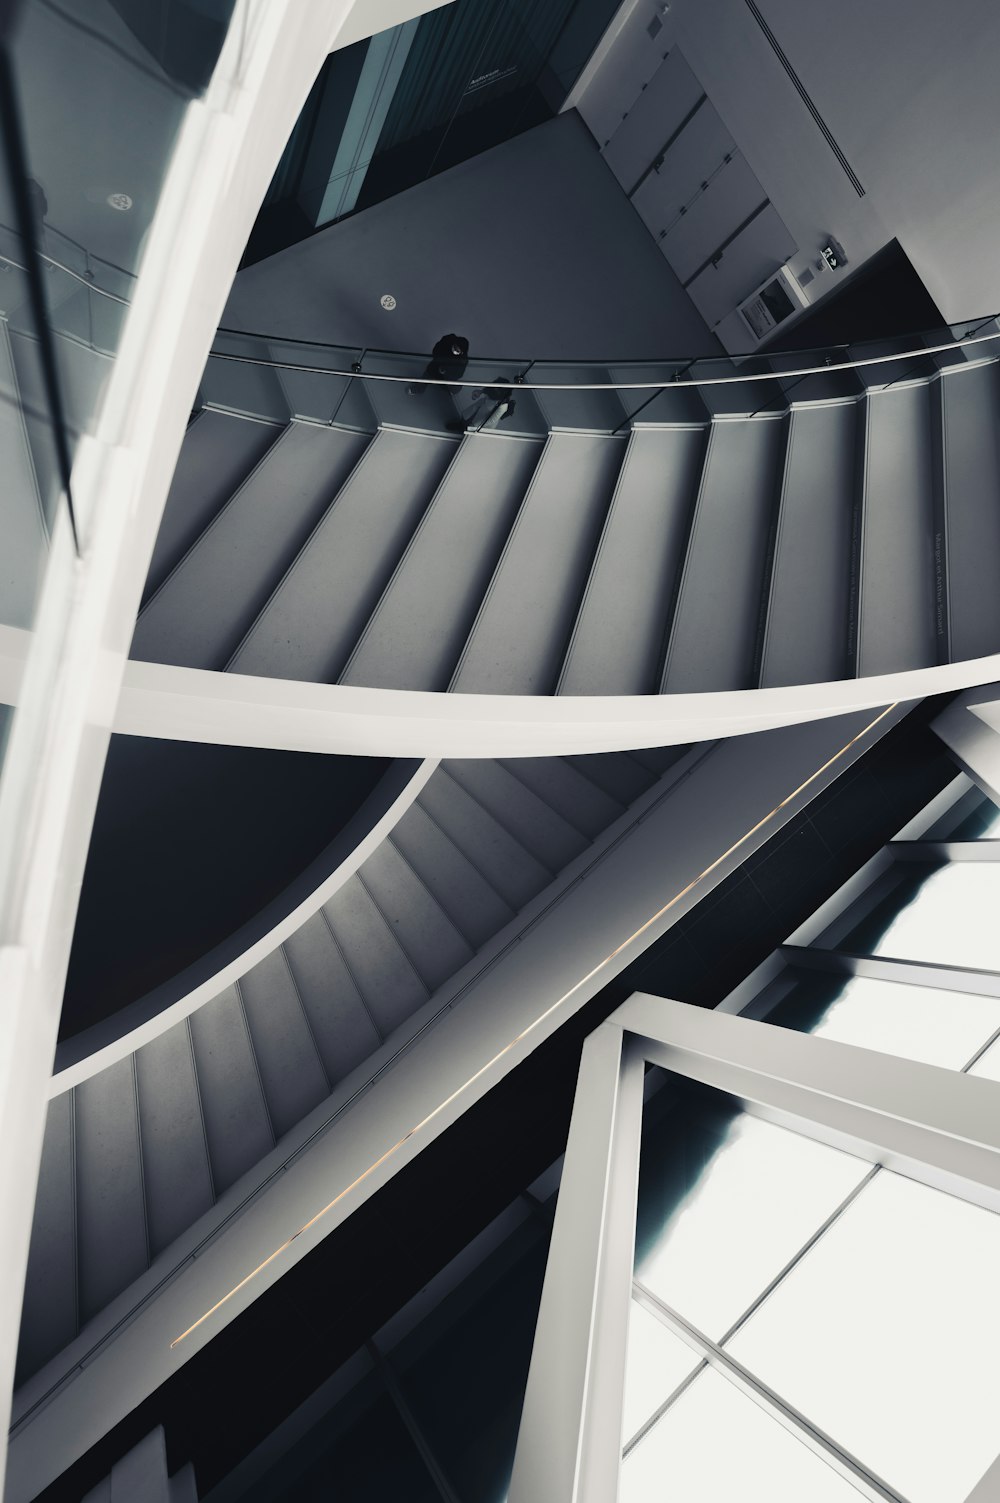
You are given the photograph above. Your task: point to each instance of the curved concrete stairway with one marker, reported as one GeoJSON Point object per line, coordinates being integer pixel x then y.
{"type": "Point", "coordinates": [849, 528]}
{"type": "Point", "coordinates": [137, 1153]}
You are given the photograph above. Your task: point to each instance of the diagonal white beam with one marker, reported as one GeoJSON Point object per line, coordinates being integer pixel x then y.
{"type": "Point", "coordinates": [569, 1444]}
{"type": "Point", "coordinates": [934, 1125]}
{"type": "Point", "coordinates": [234, 709]}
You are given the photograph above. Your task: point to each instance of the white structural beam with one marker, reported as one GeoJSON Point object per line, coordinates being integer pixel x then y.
{"type": "Point", "coordinates": [932, 1124]}
{"type": "Point", "coordinates": [970, 728]}
{"type": "Point", "coordinates": [731, 798]}
{"type": "Point", "coordinates": [938, 1126]}
{"type": "Point", "coordinates": [227, 147]}
{"type": "Point", "coordinates": [231, 709]}
{"type": "Point", "coordinates": [236, 709]}
{"type": "Point", "coordinates": [569, 1445]}
{"type": "Point", "coordinates": [95, 1048]}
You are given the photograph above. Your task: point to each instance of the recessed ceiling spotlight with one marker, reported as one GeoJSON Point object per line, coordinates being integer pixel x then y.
{"type": "Point", "coordinates": [120, 201]}
{"type": "Point", "coordinates": [388, 301]}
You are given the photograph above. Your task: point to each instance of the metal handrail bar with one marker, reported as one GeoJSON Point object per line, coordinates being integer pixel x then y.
{"type": "Point", "coordinates": [973, 325]}
{"type": "Point", "coordinates": [736, 380]}
{"type": "Point", "coordinates": [84, 281]}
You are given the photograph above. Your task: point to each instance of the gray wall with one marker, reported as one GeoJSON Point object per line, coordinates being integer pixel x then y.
{"type": "Point", "coordinates": [530, 250]}
{"type": "Point", "coordinates": [908, 89]}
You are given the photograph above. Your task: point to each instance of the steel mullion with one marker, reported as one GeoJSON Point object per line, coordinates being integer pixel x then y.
{"type": "Point", "coordinates": [569, 1442]}
{"type": "Point", "coordinates": [410, 1424]}
{"type": "Point", "coordinates": [931, 851]}
{"type": "Point", "coordinates": [769, 1289]}
{"type": "Point", "coordinates": [791, 1419]}
{"type": "Point", "coordinates": [949, 978]}
{"type": "Point", "coordinates": [756, 1303]}
{"type": "Point", "coordinates": [933, 1124]}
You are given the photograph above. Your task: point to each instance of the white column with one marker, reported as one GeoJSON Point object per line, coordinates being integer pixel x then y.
{"type": "Point", "coordinates": [569, 1445]}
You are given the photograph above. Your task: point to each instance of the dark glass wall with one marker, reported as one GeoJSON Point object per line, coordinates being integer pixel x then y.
{"type": "Point", "coordinates": [393, 110]}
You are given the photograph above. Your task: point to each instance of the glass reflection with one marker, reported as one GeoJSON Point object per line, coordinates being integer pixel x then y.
{"type": "Point", "coordinates": [913, 1022]}
{"type": "Point", "coordinates": [716, 1446]}
{"type": "Point", "coordinates": [885, 1335]}
{"type": "Point", "coordinates": [971, 817]}
{"type": "Point", "coordinates": [657, 1362]}
{"type": "Point", "coordinates": [725, 1201]}
{"type": "Point", "coordinates": [950, 919]}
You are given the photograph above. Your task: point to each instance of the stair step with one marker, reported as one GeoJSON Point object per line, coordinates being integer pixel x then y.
{"type": "Point", "coordinates": [474, 906]}
{"type": "Point", "coordinates": [382, 971]}
{"type": "Point", "coordinates": [21, 525]}
{"type": "Point", "coordinates": [714, 634]}
{"type": "Point", "coordinates": [897, 614]}
{"type": "Point", "coordinates": [174, 1151]}
{"type": "Point", "coordinates": [511, 870]}
{"type": "Point", "coordinates": [620, 777]}
{"type": "Point", "coordinates": [669, 405]}
{"type": "Point", "coordinates": [218, 453]}
{"type": "Point", "coordinates": [111, 1249]}
{"type": "Point", "coordinates": [49, 1313]}
{"type": "Point", "coordinates": [420, 625]}
{"type": "Point", "coordinates": [236, 1121]}
{"type": "Point", "coordinates": [240, 386]}
{"type": "Point", "coordinates": [434, 946]}
{"type": "Point", "coordinates": [908, 367]}
{"type": "Point", "coordinates": [970, 398]}
{"type": "Point", "coordinates": [807, 622]}
{"type": "Point", "coordinates": [203, 609]}
{"type": "Point", "coordinates": [341, 1025]}
{"type": "Point", "coordinates": [657, 759]}
{"type": "Point", "coordinates": [580, 398]}
{"type": "Point", "coordinates": [519, 638]}
{"type": "Point", "coordinates": [313, 620]}
{"type": "Point", "coordinates": [538, 827]}
{"type": "Point", "coordinates": [292, 1077]}
{"type": "Point", "coordinates": [580, 801]}
{"type": "Point", "coordinates": [619, 639]}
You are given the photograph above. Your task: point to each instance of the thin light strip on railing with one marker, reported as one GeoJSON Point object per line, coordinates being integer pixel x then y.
{"type": "Point", "coordinates": [669, 384]}
{"type": "Point", "coordinates": [526, 1032]}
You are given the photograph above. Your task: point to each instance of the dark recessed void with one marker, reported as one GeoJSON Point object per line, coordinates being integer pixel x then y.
{"type": "Point", "coordinates": [884, 299]}
{"type": "Point", "coordinates": [189, 843]}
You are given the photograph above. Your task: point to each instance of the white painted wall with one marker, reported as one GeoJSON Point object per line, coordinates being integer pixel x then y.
{"type": "Point", "coordinates": [907, 88]}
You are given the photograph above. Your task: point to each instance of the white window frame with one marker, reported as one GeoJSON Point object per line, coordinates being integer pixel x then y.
{"type": "Point", "coordinates": [935, 1125]}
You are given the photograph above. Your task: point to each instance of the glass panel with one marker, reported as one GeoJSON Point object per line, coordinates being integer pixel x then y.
{"type": "Point", "coordinates": [950, 919]}
{"type": "Point", "coordinates": [885, 1336]}
{"type": "Point", "coordinates": [915, 1022]}
{"type": "Point", "coordinates": [657, 1362]}
{"type": "Point", "coordinates": [716, 1446]}
{"type": "Point", "coordinates": [725, 1201]}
